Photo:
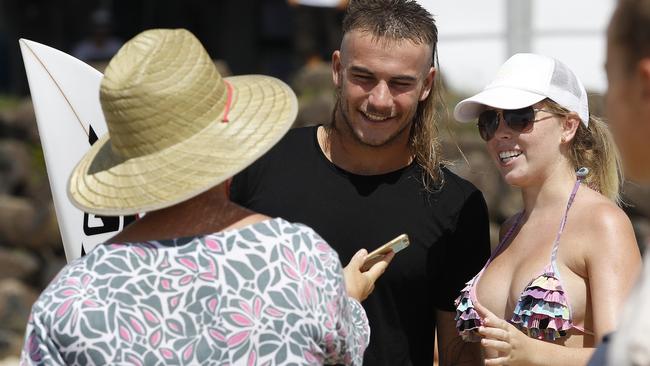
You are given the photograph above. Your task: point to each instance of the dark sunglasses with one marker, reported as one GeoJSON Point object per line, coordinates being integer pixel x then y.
{"type": "Point", "coordinates": [520, 120]}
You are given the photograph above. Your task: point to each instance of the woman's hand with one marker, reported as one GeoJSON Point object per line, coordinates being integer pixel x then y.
{"type": "Point", "coordinates": [504, 344]}
{"type": "Point", "coordinates": [360, 284]}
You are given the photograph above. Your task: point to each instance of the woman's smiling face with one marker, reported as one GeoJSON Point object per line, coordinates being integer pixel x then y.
{"type": "Point", "coordinates": [524, 157]}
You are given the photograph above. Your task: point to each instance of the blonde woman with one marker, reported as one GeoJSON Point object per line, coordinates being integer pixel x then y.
{"type": "Point", "coordinates": [555, 283]}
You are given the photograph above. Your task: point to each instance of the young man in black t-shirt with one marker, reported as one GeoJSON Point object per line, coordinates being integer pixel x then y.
{"type": "Point", "coordinates": [375, 173]}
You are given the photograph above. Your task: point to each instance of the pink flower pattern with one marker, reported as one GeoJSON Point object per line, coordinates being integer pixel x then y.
{"type": "Point", "coordinates": [271, 293]}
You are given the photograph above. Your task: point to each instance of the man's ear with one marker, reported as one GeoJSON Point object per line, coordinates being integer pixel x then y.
{"type": "Point", "coordinates": [428, 83]}
{"type": "Point", "coordinates": [337, 68]}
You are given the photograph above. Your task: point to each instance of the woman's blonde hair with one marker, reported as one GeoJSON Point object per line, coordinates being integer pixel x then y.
{"type": "Point", "coordinates": [593, 147]}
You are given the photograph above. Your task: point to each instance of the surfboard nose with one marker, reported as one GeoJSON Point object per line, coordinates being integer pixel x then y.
{"type": "Point", "coordinates": [65, 95]}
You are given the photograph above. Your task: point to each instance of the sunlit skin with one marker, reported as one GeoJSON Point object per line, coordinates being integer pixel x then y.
{"type": "Point", "coordinates": [628, 111]}
{"type": "Point", "coordinates": [380, 81]}
{"type": "Point", "coordinates": [597, 242]}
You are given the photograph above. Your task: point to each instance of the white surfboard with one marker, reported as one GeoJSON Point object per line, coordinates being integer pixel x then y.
{"type": "Point", "coordinates": [65, 94]}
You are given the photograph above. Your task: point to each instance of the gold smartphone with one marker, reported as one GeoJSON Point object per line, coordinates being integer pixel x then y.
{"type": "Point", "coordinates": [395, 245]}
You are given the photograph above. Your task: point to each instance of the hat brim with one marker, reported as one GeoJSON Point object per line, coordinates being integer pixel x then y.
{"type": "Point", "coordinates": [262, 111]}
{"type": "Point", "coordinates": [498, 97]}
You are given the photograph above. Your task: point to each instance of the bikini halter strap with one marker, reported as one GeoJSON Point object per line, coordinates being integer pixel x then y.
{"type": "Point", "coordinates": [506, 237]}
{"type": "Point", "coordinates": [581, 174]}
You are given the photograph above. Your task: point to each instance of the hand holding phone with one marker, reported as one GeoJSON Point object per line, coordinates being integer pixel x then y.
{"type": "Point", "coordinates": [359, 284]}
{"type": "Point", "coordinates": [364, 269]}
{"type": "Point", "coordinates": [395, 245]}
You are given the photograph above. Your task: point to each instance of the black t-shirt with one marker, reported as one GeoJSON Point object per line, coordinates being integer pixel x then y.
{"type": "Point", "coordinates": [448, 231]}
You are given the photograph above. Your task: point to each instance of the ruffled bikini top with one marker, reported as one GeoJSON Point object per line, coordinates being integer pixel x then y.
{"type": "Point", "coordinates": [542, 310]}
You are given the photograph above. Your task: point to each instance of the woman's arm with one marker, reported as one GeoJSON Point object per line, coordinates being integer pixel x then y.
{"type": "Point", "coordinates": [613, 263]}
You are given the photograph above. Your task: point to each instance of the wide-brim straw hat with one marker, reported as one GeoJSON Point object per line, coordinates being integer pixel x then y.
{"type": "Point", "coordinates": [176, 127]}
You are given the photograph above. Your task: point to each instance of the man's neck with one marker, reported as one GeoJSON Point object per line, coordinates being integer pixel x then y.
{"type": "Point", "coordinates": [346, 152]}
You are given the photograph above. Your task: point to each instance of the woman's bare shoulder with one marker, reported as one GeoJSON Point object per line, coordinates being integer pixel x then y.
{"type": "Point", "coordinates": [602, 223]}
{"type": "Point", "coordinates": [600, 213]}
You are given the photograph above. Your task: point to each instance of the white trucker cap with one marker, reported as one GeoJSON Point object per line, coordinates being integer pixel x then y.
{"type": "Point", "coordinates": [524, 80]}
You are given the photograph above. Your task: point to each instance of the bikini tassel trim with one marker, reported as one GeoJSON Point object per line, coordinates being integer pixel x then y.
{"type": "Point", "coordinates": [543, 310]}
{"type": "Point", "coordinates": [467, 318]}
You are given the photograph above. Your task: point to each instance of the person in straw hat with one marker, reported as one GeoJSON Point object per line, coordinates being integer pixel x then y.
{"type": "Point", "coordinates": [555, 284]}
{"type": "Point", "coordinates": [198, 279]}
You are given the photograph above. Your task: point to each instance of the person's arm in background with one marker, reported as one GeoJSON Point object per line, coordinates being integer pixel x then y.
{"type": "Point", "coordinates": [630, 341]}
{"type": "Point", "coordinates": [467, 250]}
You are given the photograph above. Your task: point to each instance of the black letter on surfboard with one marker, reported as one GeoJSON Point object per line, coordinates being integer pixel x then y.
{"type": "Point", "coordinates": [92, 136]}
{"type": "Point", "coordinates": [110, 223]}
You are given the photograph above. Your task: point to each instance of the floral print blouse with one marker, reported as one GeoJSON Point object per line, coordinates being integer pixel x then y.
{"type": "Point", "coordinates": [271, 293]}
